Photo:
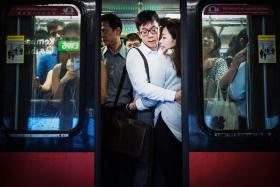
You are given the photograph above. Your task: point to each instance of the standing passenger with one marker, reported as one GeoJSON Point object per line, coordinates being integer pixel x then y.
{"type": "Point", "coordinates": [147, 23]}
{"type": "Point", "coordinates": [132, 40]}
{"type": "Point", "coordinates": [47, 61]}
{"type": "Point", "coordinates": [168, 128]}
{"type": "Point", "coordinates": [214, 67]}
{"type": "Point", "coordinates": [116, 167]}
{"type": "Point", "coordinates": [62, 71]}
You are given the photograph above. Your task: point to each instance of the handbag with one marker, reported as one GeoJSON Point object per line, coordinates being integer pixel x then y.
{"type": "Point", "coordinates": [124, 134]}
{"type": "Point", "coordinates": [128, 136]}
{"type": "Point", "coordinates": [221, 114]}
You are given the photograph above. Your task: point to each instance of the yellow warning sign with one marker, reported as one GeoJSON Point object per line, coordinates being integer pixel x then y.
{"type": "Point", "coordinates": [15, 49]}
{"type": "Point", "coordinates": [266, 48]}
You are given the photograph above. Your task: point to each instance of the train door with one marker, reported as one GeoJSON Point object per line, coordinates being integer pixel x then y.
{"type": "Point", "coordinates": [47, 93]}
{"type": "Point", "coordinates": [233, 100]}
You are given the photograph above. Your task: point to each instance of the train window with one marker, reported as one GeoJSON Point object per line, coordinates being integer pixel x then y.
{"type": "Point", "coordinates": [43, 58]}
{"type": "Point", "coordinates": [239, 67]}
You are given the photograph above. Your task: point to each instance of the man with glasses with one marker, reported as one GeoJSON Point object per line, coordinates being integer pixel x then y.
{"type": "Point", "coordinates": [147, 23]}
{"type": "Point", "coordinates": [47, 61]}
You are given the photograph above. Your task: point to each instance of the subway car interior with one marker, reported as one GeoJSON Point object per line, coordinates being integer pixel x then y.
{"type": "Point", "coordinates": [50, 82]}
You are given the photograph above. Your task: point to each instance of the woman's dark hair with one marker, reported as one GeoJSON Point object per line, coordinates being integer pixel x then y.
{"type": "Point", "coordinates": [146, 16]}
{"type": "Point", "coordinates": [113, 20]}
{"type": "Point", "coordinates": [238, 46]}
{"type": "Point", "coordinates": [173, 27]}
{"type": "Point", "coordinates": [210, 29]}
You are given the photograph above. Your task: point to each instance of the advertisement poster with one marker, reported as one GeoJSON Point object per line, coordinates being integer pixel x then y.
{"type": "Point", "coordinates": [15, 49]}
{"type": "Point", "coordinates": [266, 49]}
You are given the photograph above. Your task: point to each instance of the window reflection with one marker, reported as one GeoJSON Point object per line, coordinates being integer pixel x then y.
{"type": "Point", "coordinates": [44, 95]}
{"type": "Point", "coordinates": [56, 81]}
{"type": "Point", "coordinates": [224, 40]}
{"type": "Point", "coordinates": [238, 93]}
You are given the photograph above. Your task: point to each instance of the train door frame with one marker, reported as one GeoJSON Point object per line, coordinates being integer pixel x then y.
{"type": "Point", "coordinates": [185, 73]}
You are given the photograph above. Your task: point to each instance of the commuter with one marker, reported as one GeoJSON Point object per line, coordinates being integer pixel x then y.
{"type": "Point", "coordinates": [132, 40]}
{"type": "Point", "coordinates": [168, 128]}
{"type": "Point", "coordinates": [214, 67]}
{"type": "Point", "coordinates": [147, 23]}
{"type": "Point", "coordinates": [237, 92]}
{"type": "Point", "coordinates": [67, 69]}
{"type": "Point", "coordinates": [47, 61]}
{"type": "Point", "coordinates": [240, 55]}
{"type": "Point", "coordinates": [117, 169]}
{"type": "Point", "coordinates": [237, 43]}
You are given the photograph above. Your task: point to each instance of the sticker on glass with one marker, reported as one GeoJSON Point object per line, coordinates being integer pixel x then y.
{"type": "Point", "coordinates": [266, 49]}
{"type": "Point", "coordinates": [15, 49]}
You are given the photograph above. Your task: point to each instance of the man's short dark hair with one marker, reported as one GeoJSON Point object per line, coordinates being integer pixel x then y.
{"type": "Point", "coordinates": [54, 24]}
{"type": "Point", "coordinates": [132, 37]}
{"type": "Point", "coordinates": [113, 20]}
{"type": "Point", "coordinates": [146, 16]}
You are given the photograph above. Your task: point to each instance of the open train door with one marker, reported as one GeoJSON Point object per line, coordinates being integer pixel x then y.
{"type": "Point", "coordinates": [239, 147]}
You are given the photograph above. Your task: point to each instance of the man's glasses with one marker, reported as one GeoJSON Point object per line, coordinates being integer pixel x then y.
{"type": "Point", "coordinates": [145, 32]}
{"type": "Point", "coordinates": [54, 33]}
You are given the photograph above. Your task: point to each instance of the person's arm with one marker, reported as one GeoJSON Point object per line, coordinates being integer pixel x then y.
{"type": "Point", "coordinates": [229, 76]}
{"type": "Point", "coordinates": [48, 83]}
{"type": "Point", "coordinates": [143, 102]}
{"type": "Point", "coordinates": [208, 63]}
{"type": "Point", "coordinates": [104, 83]}
{"type": "Point", "coordinates": [137, 74]}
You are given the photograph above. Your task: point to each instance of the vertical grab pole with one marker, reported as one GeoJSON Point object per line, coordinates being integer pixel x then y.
{"type": "Point", "coordinates": [265, 82]}
{"type": "Point", "coordinates": [17, 82]}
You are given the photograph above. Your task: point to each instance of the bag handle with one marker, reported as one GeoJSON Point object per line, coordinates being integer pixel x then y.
{"type": "Point", "coordinates": [145, 63]}
{"type": "Point", "coordinates": [124, 72]}
{"type": "Point", "coordinates": [120, 86]}
{"type": "Point", "coordinates": [219, 95]}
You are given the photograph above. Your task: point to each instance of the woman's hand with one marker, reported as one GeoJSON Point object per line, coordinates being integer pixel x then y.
{"type": "Point", "coordinates": [240, 57]}
{"type": "Point", "coordinates": [208, 63]}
